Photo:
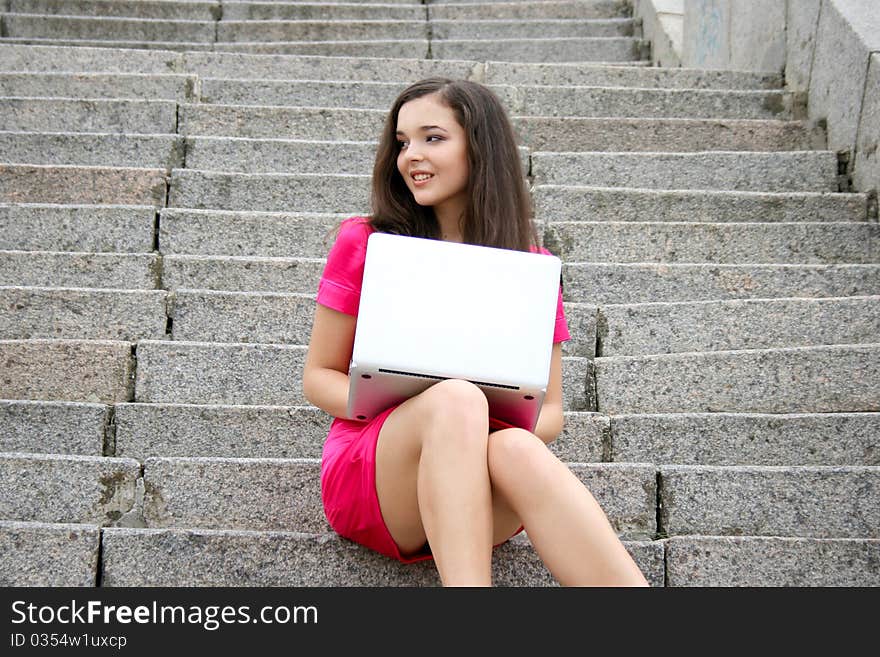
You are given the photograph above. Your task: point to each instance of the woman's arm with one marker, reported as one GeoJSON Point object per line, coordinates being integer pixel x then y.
{"type": "Point", "coordinates": [325, 375]}
{"type": "Point", "coordinates": [550, 419]}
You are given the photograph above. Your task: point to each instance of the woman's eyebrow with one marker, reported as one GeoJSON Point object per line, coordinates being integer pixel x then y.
{"type": "Point", "coordinates": [425, 128]}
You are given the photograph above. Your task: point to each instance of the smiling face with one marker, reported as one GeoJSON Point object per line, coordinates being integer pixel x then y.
{"type": "Point", "coordinates": [433, 156]}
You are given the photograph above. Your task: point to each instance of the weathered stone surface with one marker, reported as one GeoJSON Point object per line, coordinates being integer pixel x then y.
{"type": "Point", "coordinates": [187, 10]}
{"type": "Point", "coordinates": [80, 489]}
{"type": "Point", "coordinates": [468, 11]}
{"type": "Point", "coordinates": [52, 427]}
{"type": "Point", "coordinates": [132, 271]}
{"type": "Point", "coordinates": [327, 11]}
{"type": "Point", "coordinates": [807, 501]}
{"type": "Point", "coordinates": [746, 438]}
{"type": "Point", "coordinates": [240, 274]}
{"type": "Point", "coordinates": [59, 114]}
{"type": "Point", "coordinates": [529, 28]}
{"type": "Point", "coordinates": [45, 58]}
{"type": "Point", "coordinates": [84, 27]}
{"type": "Point", "coordinates": [43, 554]}
{"type": "Point", "coordinates": [26, 183]}
{"type": "Point", "coordinates": [866, 172]}
{"type": "Point", "coordinates": [98, 150]}
{"type": "Point", "coordinates": [388, 49]}
{"type": "Point", "coordinates": [94, 371]}
{"type": "Point", "coordinates": [770, 561]}
{"type": "Point", "coordinates": [231, 31]}
{"type": "Point", "coordinates": [801, 21]}
{"type": "Point", "coordinates": [571, 49]}
{"type": "Point", "coordinates": [113, 86]}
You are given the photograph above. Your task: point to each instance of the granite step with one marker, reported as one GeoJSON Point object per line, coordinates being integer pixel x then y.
{"type": "Point", "coordinates": [39, 184]}
{"type": "Point", "coordinates": [216, 430]}
{"type": "Point", "coordinates": [563, 49]}
{"type": "Point", "coordinates": [458, 28]}
{"type": "Point", "coordinates": [708, 439]}
{"type": "Point", "coordinates": [285, 494]}
{"type": "Point", "coordinates": [471, 10]}
{"type": "Point", "coordinates": [89, 228]}
{"type": "Point", "coordinates": [97, 371]}
{"type": "Point", "coordinates": [116, 86]}
{"type": "Point", "coordinates": [696, 561]}
{"type": "Point", "coordinates": [660, 282]}
{"type": "Point", "coordinates": [190, 10]}
{"type": "Point", "coordinates": [721, 243]}
{"type": "Point", "coordinates": [263, 374]}
{"type": "Point", "coordinates": [96, 149]}
{"type": "Point", "coordinates": [55, 59]}
{"type": "Point", "coordinates": [779, 172]}
{"type": "Point", "coordinates": [323, 11]}
{"type": "Point", "coordinates": [576, 203]}
{"type": "Point", "coordinates": [111, 28]}
{"type": "Point", "coordinates": [204, 557]}
{"type": "Point", "coordinates": [95, 490]}
{"type": "Point", "coordinates": [180, 46]}
{"type": "Point", "coordinates": [148, 117]}
{"type": "Point", "coordinates": [823, 379]}
{"type": "Point", "coordinates": [664, 328]}
{"type": "Point", "coordinates": [360, 29]}
{"type": "Point", "coordinates": [386, 49]}
{"type": "Point", "coordinates": [803, 501]}
{"type": "Point", "coordinates": [49, 554]}
{"type": "Point", "coordinates": [126, 271]}
{"type": "Point", "coordinates": [82, 314]}
{"type": "Point", "coordinates": [47, 427]}
{"type": "Point", "coordinates": [269, 192]}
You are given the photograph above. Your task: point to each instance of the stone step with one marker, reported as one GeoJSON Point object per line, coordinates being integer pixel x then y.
{"type": "Point", "coordinates": [664, 134]}
{"type": "Point", "coordinates": [386, 49]}
{"type": "Point", "coordinates": [99, 371]}
{"type": "Point", "coordinates": [190, 10]}
{"type": "Point", "coordinates": [321, 30]}
{"type": "Point", "coordinates": [99, 149]}
{"type": "Point", "coordinates": [563, 203]}
{"type": "Point", "coordinates": [82, 27]}
{"type": "Point", "coordinates": [205, 557]}
{"type": "Point", "coordinates": [95, 490]}
{"type": "Point", "coordinates": [817, 439]}
{"type": "Point", "coordinates": [269, 192]}
{"type": "Point", "coordinates": [285, 494]}
{"type": "Point", "coordinates": [279, 318]}
{"type": "Point", "coordinates": [89, 228]}
{"type": "Point", "coordinates": [146, 430]}
{"type": "Point", "coordinates": [99, 85]}
{"type": "Point", "coordinates": [780, 172]}
{"type": "Point", "coordinates": [180, 46]}
{"type": "Point", "coordinates": [824, 379]}
{"type": "Point", "coordinates": [586, 74]}
{"type": "Point", "coordinates": [47, 59]}
{"type": "Point", "coordinates": [731, 243]}
{"type": "Point", "coordinates": [38, 184]}
{"type": "Point", "coordinates": [663, 328]}
{"type": "Point", "coordinates": [82, 314]}
{"type": "Point", "coordinates": [262, 374]}
{"type": "Point", "coordinates": [471, 10]}
{"type": "Point", "coordinates": [771, 561]}
{"type": "Point", "coordinates": [242, 155]}
{"type": "Point", "coordinates": [805, 501]}
{"type": "Point", "coordinates": [323, 11]}
{"type": "Point", "coordinates": [564, 49]}
{"type": "Point", "coordinates": [47, 427]}
{"type": "Point", "coordinates": [458, 28]}
{"type": "Point", "coordinates": [97, 116]}
{"type": "Point", "coordinates": [48, 554]}
{"type": "Point", "coordinates": [243, 274]}
{"type": "Point", "coordinates": [127, 271]}
{"type": "Point", "coordinates": [661, 282]}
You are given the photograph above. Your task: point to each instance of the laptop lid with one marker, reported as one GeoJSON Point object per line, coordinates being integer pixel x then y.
{"type": "Point", "coordinates": [433, 310]}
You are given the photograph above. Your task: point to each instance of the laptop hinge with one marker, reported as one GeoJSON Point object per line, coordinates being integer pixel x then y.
{"type": "Point", "coordinates": [444, 378]}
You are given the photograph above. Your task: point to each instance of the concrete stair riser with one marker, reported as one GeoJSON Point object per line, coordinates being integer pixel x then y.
{"type": "Point", "coordinates": [825, 379]}
{"type": "Point", "coordinates": [67, 489]}
{"type": "Point", "coordinates": [53, 427]}
{"type": "Point", "coordinates": [788, 439]}
{"type": "Point", "coordinates": [814, 502]}
{"type": "Point", "coordinates": [149, 117]}
{"type": "Point", "coordinates": [661, 328]}
{"type": "Point", "coordinates": [98, 371]}
{"type": "Point", "coordinates": [568, 203]}
{"type": "Point", "coordinates": [660, 282]}
{"type": "Point", "coordinates": [731, 243]}
{"type": "Point", "coordinates": [92, 228]}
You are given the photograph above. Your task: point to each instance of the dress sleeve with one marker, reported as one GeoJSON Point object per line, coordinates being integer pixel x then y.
{"type": "Point", "coordinates": [340, 285]}
{"type": "Point", "coordinates": [560, 332]}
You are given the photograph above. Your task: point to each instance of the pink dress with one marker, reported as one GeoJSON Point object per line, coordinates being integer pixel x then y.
{"type": "Point", "coordinates": [348, 464]}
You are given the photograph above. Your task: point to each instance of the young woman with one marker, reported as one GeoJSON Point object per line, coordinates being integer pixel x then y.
{"type": "Point", "coordinates": [427, 478]}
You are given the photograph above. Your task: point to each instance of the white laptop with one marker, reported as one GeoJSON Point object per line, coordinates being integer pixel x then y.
{"type": "Point", "coordinates": [433, 310]}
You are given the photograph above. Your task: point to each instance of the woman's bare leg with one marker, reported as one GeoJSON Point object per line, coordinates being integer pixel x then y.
{"type": "Point", "coordinates": [432, 480]}
{"type": "Point", "coordinates": [564, 522]}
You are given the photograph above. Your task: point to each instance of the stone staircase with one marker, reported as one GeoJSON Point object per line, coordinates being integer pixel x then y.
{"type": "Point", "coordinates": [169, 172]}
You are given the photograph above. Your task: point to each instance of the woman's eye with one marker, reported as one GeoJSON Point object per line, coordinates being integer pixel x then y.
{"type": "Point", "coordinates": [432, 137]}
{"type": "Point", "coordinates": [401, 145]}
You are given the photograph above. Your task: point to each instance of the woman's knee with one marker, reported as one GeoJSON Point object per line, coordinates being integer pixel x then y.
{"type": "Point", "coordinates": [513, 454]}
{"type": "Point", "coordinates": [456, 400]}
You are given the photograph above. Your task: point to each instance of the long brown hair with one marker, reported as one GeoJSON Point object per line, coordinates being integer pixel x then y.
{"type": "Point", "coordinates": [499, 209]}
